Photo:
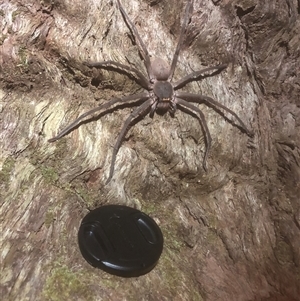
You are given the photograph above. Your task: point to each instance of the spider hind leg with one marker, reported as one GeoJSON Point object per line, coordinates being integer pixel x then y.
{"type": "Point", "coordinates": [140, 111]}
{"type": "Point", "coordinates": [190, 108]}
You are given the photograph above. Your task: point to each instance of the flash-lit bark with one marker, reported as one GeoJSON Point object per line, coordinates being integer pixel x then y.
{"type": "Point", "coordinates": [231, 233]}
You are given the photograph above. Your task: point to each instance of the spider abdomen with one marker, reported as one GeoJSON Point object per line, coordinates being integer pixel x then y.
{"type": "Point", "coordinates": [160, 69]}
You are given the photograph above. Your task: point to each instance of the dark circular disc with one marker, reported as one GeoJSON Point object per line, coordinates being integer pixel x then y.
{"type": "Point", "coordinates": [120, 240]}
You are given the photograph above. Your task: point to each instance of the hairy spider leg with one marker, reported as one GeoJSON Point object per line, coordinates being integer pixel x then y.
{"type": "Point", "coordinates": [104, 106]}
{"type": "Point", "coordinates": [197, 98]}
{"type": "Point", "coordinates": [140, 43]}
{"type": "Point", "coordinates": [191, 108]}
{"type": "Point", "coordinates": [188, 11]}
{"type": "Point", "coordinates": [197, 75]}
{"type": "Point", "coordinates": [141, 79]}
{"type": "Point", "coordinates": [139, 111]}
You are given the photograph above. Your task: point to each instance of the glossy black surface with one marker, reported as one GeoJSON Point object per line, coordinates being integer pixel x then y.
{"type": "Point", "coordinates": [120, 240]}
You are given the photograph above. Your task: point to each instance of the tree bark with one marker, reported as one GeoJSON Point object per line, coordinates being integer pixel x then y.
{"type": "Point", "coordinates": [231, 233]}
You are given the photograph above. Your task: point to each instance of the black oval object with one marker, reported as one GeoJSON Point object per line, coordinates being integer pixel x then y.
{"type": "Point", "coordinates": [120, 240]}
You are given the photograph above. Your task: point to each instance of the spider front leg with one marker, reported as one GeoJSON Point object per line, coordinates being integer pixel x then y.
{"type": "Point", "coordinates": [191, 108]}
{"type": "Point", "coordinates": [188, 11]}
{"type": "Point", "coordinates": [105, 106]}
{"type": "Point", "coordinates": [141, 110]}
{"type": "Point", "coordinates": [143, 50]}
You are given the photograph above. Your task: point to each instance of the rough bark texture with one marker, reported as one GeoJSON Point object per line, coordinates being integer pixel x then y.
{"type": "Point", "coordinates": [231, 233]}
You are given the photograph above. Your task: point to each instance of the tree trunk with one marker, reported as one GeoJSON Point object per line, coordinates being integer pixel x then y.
{"type": "Point", "coordinates": [231, 233]}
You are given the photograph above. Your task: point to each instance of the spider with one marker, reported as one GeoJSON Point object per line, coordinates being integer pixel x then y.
{"type": "Point", "coordinates": [161, 95]}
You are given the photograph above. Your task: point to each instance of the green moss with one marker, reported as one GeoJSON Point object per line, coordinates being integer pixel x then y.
{"type": "Point", "coordinates": [60, 151]}
{"type": "Point", "coordinates": [23, 56]}
{"type": "Point", "coordinates": [7, 168]}
{"type": "Point", "coordinates": [151, 207]}
{"type": "Point", "coordinates": [64, 284]}
{"type": "Point", "coordinates": [172, 239]}
{"type": "Point", "coordinates": [87, 196]}
{"type": "Point", "coordinates": [212, 237]}
{"type": "Point", "coordinates": [14, 15]}
{"type": "Point", "coordinates": [2, 39]}
{"type": "Point", "coordinates": [49, 174]}
{"type": "Point", "coordinates": [212, 221]}
{"type": "Point", "coordinates": [49, 218]}
{"type": "Point", "coordinates": [47, 2]}
{"type": "Point", "coordinates": [173, 276]}
{"type": "Point", "coordinates": [283, 252]}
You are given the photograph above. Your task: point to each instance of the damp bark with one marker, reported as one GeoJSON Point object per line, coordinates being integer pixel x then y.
{"type": "Point", "coordinates": [231, 233]}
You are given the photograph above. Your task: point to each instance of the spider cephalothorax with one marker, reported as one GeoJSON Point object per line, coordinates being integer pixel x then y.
{"type": "Point", "coordinates": [164, 95]}
{"type": "Point", "coordinates": [161, 95]}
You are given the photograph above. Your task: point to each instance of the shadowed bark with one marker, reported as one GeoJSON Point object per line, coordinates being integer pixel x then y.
{"type": "Point", "coordinates": [231, 233]}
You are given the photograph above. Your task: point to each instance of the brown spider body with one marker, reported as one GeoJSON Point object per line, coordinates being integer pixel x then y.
{"type": "Point", "coordinates": [160, 69]}
{"type": "Point", "coordinates": [161, 95]}
{"type": "Point", "coordinates": [164, 97]}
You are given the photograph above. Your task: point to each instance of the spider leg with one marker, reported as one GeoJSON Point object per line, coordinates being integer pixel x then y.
{"type": "Point", "coordinates": [141, 110]}
{"type": "Point", "coordinates": [121, 68]}
{"type": "Point", "coordinates": [196, 75]}
{"type": "Point", "coordinates": [105, 106]}
{"type": "Point", "coordinates": [188, 11]}
{"type": "Point", "coordinates": [191, 108]}
{"type": "Point", "coordinates": [197, 98]}
{"type": "Point", "coordinates": [140, 43]}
